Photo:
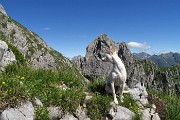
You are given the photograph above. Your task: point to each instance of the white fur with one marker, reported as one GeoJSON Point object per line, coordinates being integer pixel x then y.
{"type": "Point", "coordinates": [115, 82]}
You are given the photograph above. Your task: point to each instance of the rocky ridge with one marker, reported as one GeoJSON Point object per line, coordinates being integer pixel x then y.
{"type": "Point", "coordinates": [91, 66]}
{"type": "Point", "coordinates": [161, 60]}
{"type": "Point", "coordinates": [139, 71]}
{"type": "Point", "coordinates": [33, 48]}
{"type": "Point", "coordinates": [2, 10]}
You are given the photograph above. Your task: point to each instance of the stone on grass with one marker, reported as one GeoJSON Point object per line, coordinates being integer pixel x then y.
{"type": "Point", "coordinates": [23, 112]}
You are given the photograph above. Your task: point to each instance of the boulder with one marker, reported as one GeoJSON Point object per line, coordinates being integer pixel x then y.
{"type": "Point", "coordinates": [139, 94]}
{"type": "Point", "coordinates": [6, 55]}
{"type": "Point", "coordinates": [81, 114]}
{"type": "Point", "coordinates": [23, 112]}
{"type": "Point", "coordinates": [150, 114]}
{"type": "Point", "coordinates": [118, 112]}
{"type": "Point", "coordinates": [37, 102]}
{"type": "Point", "coordinates": [123, 114]}
{"type": "Point", "coordinates": [54, 113]}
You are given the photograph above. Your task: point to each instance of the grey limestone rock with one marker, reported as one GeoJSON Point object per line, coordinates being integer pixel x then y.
{"type": "Point", "coordinates": [54, 113]}
{"type": "Point", "coordinates": [23, 112]}
{"type": "Point", "coordinates": [37, 102]}
{"type": "Point", "coordinates": [139, 94]}
{"type": "Point", "coordinates": [118, 112]}
{"type": "Point", "coordinates": [81, 114]}
{"type": "Point", "coordinates": [6, 55]}
{"type": "Point", "coordinates": [123, 114]}
{"type": "Point", "coordinates": [150, 114]}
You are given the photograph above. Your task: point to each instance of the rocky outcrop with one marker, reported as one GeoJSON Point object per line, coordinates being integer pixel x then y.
{"type": "Point", "coordinates": [26, 111]}
{"type": "Point", "coordinates": [6, 55]}
{"type": "Point", "coordinates": [33, 48]}
{"type": "Point", "coordinates": [144, 72]}
{"type": "Point", "coordinates": [91, 66]}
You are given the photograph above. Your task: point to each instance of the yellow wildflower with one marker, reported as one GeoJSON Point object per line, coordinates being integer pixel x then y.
{"type": "Point", "coordinates": [19, 77]}
{"type": "Point", "coordinates": [3, 83]}
{"type": "Point", "coordinates": [22, 78]}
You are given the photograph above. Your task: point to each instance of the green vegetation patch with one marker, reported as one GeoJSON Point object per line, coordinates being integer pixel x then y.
{"type": "Point", "coordinates": [20, 83]}
{"type": "Point", "coordinates": [172, 104]}
{"type": "Point", "coordinates": [41, 113]}
{"type": "Point", "coordinates": [99, 105]}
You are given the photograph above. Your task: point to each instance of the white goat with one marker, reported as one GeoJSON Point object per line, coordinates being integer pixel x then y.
{"type": "Point", "coordinates": [116, 79]}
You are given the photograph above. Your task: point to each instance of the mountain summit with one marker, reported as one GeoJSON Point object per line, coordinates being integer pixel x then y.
{"type": "Point", "coordinates": [161, 60]}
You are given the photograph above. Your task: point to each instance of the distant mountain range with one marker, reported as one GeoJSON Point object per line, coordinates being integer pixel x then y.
{"type": "Point", "coordinates": [162, 60]}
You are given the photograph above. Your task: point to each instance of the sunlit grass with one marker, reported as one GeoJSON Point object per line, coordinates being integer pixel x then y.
{"type": "Point", "coordinates": [19, 83]}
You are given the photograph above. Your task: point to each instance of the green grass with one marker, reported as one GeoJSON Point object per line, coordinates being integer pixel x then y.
{"type": "Point", "coordinates": [19, 83]}
{"type": "Point", "coordinates": [99, 105]}
{"type": "Point", "coordinates": [41, 113]}
{"type": "Point", "coordinates": [172, 103]}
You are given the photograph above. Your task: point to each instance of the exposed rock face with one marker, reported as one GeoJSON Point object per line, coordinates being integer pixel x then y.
{"type": "Point", "coordinates": [35, 51]}
{"type": "Point", "coordinates": [6, 55]}
{"type": "Point", "coordinates": [91, 66]}
{"type": "Point", "coordinates": [143, 72]}
{"type": "Point", "coordinates": [2, 10]}
{"type": "Point", "coordinates": [163, 81]}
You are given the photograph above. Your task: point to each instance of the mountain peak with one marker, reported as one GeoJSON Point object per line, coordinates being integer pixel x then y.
{"type": "Point", "coordinates": [2, 10]}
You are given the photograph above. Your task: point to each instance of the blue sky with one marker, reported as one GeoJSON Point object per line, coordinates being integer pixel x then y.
{"type": "Point", "coordinates": [69, 26]}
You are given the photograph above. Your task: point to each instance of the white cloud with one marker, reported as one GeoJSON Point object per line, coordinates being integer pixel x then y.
{"type": "Point", "coordinates": [142, 46]}
{"type": "Point", "coordinates": [46, 28]}
{"type": "Point", "coordinates": [162, 52]}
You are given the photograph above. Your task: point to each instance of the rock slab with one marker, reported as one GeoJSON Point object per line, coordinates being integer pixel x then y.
{"type": "Point", "coordinates": [6, 55]}
{"type": "Point", "coordinates": [24, 112]}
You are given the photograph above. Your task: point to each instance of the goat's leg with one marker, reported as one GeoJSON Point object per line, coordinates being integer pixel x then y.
{"type": "Point", "coordinates": [121, 91]}
{"type": "Point", "coordinates": [113, 92]}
